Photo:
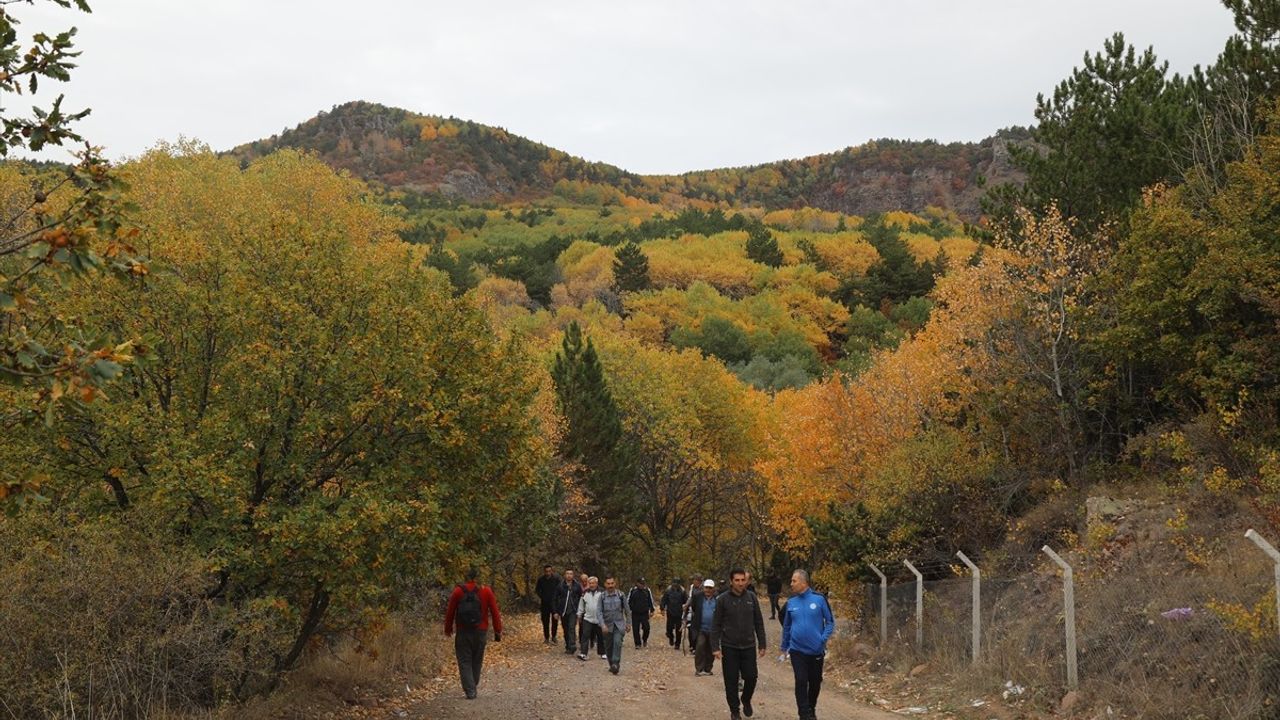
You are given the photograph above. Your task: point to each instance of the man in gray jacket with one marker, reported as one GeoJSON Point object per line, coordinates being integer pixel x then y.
{"type": "Point", "coordinates": [615, 621]}
{"type": "Point", "coordinates": [737, 629]}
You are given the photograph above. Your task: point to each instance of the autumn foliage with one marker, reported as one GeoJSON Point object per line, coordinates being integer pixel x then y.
{"type": "Point", "coordinates": [321, 396]}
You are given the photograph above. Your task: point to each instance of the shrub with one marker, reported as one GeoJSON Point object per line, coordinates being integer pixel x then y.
{"type": "Point", "coordinates": [105, 618]}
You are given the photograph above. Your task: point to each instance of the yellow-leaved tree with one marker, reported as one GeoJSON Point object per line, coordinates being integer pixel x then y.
{"type": "Point", "coordinates": [322, 422]}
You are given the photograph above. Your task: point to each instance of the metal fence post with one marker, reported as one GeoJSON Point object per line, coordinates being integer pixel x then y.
{"type": "Point", "coordinates": [1069, 610]}
{"type": "Point", "coordinates": [919, 603]}
{"type": "Point", "coordinates": [1275, 559]}
{"type": "Point", "coordinates": [977, 606]}
{"type": "Point", "coordinates": [884, 605]}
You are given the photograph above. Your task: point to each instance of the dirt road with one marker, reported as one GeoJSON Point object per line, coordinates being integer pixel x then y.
{"type": "Point", "coordinates": [527, 680]}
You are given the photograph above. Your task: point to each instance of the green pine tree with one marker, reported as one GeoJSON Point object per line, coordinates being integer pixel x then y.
{"type": "Point", "coordinates": [762, 247]}
{"type": "Point", "coordinates": [1110, 129]}
{"type": "Point", "coordinates": [594, 437]}
{"type": "Point", "coordinates": [1235, 95]}
{"type": "Point", "coordinates": [1250, 59]}
{"type": "Point", "coordinates": [630, 269]}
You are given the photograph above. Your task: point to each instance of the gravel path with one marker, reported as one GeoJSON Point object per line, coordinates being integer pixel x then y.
{"type": "Point", "coordinates": [525, 679]}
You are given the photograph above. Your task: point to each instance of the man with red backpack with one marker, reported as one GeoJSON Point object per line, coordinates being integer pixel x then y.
{"type": "Point", "coordinates": [471, 608]}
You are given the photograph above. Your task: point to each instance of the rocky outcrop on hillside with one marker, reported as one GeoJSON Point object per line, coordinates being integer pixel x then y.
{"type": "Point", "coordinates": [474, 163]}
{"type": "Point", "coordinates": [956, 184]}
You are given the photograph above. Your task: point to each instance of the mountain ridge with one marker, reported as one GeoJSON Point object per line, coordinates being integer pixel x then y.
{"type": "Point", "coordinates": [475, 163]}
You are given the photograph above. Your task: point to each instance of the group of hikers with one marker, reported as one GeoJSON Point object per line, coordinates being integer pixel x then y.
{"type": "Point", "coordinates": [716, 623]}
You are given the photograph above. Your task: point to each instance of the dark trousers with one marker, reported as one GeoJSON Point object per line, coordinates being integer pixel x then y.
{"type": "Point", "coordinates": [737, 662]}
{"type": "Point", "coordinates": [773, 605]}
{"type": "Point", "coordinates": [549, 621]}
{"type": "Point", "coordinates": [808, 671]}
{"type": "Point", "coordinates": [675, 626]}
{"type": "Point", "coordinates": [569, 623]}
{"type": "Point", "coordinates": [640, 628]}
{"type": "Point", "coordinates": [588, 634]}
{"type": "Point", "coordinates": [703, 659]}
{"type": "Point", "coordinates": [468, 647]}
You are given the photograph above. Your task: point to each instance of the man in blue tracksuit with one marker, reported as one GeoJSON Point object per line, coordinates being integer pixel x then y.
{"type": "Point", "coordinates": [807, 624]}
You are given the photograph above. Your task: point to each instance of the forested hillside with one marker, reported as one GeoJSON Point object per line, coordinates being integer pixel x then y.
{"type": "Point", "coordinates": [467, 161]}
{"type": "Point", "coordinates": [256, 401]}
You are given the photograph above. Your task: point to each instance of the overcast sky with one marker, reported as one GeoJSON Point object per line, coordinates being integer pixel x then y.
{"type": "Point", "coordinates": [654, 86]}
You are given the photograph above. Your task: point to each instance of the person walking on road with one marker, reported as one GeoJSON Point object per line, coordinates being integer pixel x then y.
{"type": "Point", "coordinates": [566, 604]}
{"type": "Point", "coordinates": [615, 622]}
{"type": "Point", "coordinates": [472, 608]}
{"type": "Point", "coordinates": [672, 607]}
{"type": "Point", "coordinates": [546, 590]}
{"type": "Point", "coordinates": [806, 626]}
{"type": "Point", "coordinates": [589, 620]}
{"type": "Point", "coordinates": [695, 589]}
{"type": "Point", "coordinates": [640, 600]}
{"type": "Point", "coordinates": [701, 609]}
{"type": "Point", "coordinates": [737, 637]}
{"type": "Point", "coordinates": [774, 586]}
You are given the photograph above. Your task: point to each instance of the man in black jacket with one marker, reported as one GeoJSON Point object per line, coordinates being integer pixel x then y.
{"type": "Point", "coordinates": [701, 613]}
{"type": "Point", "coordinates": [775, 591]}
{"type": "Point", "coordinates": [672, 606]}
{"type": "Point", "coordinates": [568, 593]}
{"type": "Point", "coordinates": [546, 589]}
{"type": "Point", "coordinates": [737, 629]}
{"type": "Point", "coordinates": [640, 600]}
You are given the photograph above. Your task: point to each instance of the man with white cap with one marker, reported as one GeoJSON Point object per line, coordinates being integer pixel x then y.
{"type": "Point", "coordinates": [702, 608]}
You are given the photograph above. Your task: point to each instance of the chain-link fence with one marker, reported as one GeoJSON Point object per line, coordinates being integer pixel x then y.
{"type": "Point", "coordinates": [1188, 636]}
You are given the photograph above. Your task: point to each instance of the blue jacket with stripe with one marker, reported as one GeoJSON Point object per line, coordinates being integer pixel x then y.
{"type": "Point", "coordinates": [807, 624]}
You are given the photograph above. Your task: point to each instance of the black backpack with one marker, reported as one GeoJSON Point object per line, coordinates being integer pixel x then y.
{"type": "Point", "coordinates": [469, 611]}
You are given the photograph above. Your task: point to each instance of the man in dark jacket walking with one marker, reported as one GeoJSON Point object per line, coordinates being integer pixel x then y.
{"type": "Point", "coordinates": [701, 611]}
{"type": "Point", "coordinates": [737, 637]}
{"type": "Point", "coordinates": [640, 600]}
{"type": "Point", "coordinates": [471, 607]}
{"type": "Point", "coordinates": [546, 589]}
{"type": "Point", "coordinates": [775, 592]}
{"type": "Point", "coordinates": [672, 606]}
{"type": "Point", "coordinates": [568, 594]}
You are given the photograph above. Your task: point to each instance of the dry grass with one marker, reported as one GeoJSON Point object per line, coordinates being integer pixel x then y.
{"type": "Point", "coordinates": [412, 661]}
{"type": "Point", "coordinates": [1219, 659]}
{"type": "Point", "coordinates": [393, 664]}
{"type": "Point", "coordinates": [105, 621]}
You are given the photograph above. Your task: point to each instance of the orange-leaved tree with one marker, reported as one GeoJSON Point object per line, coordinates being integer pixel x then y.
{"type": "Point", "coordinates": [57, 225]}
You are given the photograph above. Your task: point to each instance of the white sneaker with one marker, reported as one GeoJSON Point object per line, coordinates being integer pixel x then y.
{"type": "Point", "coordinates": [604, 657]}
